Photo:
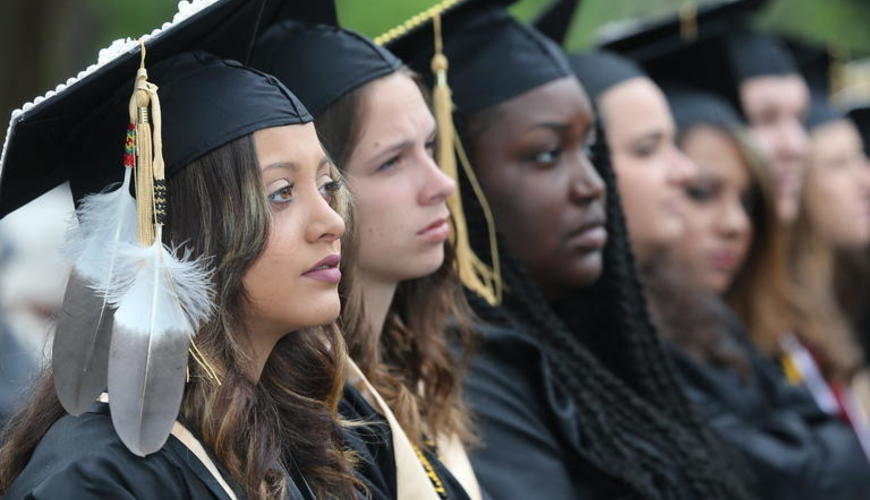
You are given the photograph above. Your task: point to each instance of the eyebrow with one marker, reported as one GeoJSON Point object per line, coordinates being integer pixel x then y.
{"type": "Point", "coordinates": [560, 127]}
{"type": "Point", "coordinates": [289, 165]}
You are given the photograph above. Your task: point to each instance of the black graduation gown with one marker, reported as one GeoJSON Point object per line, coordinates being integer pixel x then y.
{"type": "Point", "coordinates": [527, 425]}
{"type": "Point", "coordinates": [795, 450]}
{"type": "Point", "coordinates": [373, 444]}
{"type": "Point", "coordinates": [82, 458]}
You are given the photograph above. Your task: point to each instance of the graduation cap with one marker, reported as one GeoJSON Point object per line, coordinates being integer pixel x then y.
{"type": "Point", "coordinates": [319, 60]}
{"type": "Point", "coordinates": [815, 64]}
{"type": "Point", "coordinates": [691, 107]}
{"type": "Point", "coordinates": [720, 55]}
{"type": "Point", "coordinates": [132, 304]}
{"type": "Point", "coordinates": [555, 20]}
{"type": "Point", "coordinates": [600, 70]}
{"type": "Point", "coordinates": [493, 57]}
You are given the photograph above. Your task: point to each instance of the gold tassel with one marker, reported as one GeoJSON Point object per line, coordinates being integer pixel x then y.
{"type": "Point", "coordinates": [473, 273]}
{"type": "Point", "coordinates": [689, 21]}
{"type": "Point", "coordinates": [140, 115]}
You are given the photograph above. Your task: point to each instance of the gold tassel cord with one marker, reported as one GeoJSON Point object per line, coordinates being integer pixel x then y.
{"type": "Point", "coordinates": [417, 20]}
{"type": "Point", "coordinates": [689, 21]}
{"type": "Point", "coordinates": [473, 273]}
{"type": "Point", "coordinates": [139, 114]}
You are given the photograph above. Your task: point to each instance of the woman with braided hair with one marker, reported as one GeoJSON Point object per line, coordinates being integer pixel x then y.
{"type": "Point", "coordinates": [574, 395]}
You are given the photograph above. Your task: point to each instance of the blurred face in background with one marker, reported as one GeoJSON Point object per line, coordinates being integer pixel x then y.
{"type": "Point", "coordinates": [837, 193]}
{"type": "Point", "coordinates": [775, 107]}
{"type": "Point", "coordinates": [651, 172]}
{"type": "Point", "coordinates": [718, 228]}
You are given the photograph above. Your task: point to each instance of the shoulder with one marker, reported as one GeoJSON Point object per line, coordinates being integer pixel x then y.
{"type": "Point", "coordinates": [82, 457]}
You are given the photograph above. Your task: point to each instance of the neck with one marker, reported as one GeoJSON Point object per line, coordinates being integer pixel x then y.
{"type": "Point", "coordinates": [261, 340]}
{"type": "Point", "coordinates": [376, 302]}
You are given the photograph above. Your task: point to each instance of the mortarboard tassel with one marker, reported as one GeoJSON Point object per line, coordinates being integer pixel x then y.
{"type": "Point", "coordinates": [80, 352]}
{"type": "Point", "coordinates": [164, 301]}
{"type": "Point", "coordinates": [473, 272]}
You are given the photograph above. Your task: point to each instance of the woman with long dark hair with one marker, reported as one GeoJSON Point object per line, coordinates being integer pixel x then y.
{"type": "Point", "coordinates": [240, 271]}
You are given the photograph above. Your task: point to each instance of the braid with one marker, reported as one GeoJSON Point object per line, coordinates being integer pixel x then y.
{"type": "Point", "coordinates": [636, 423]}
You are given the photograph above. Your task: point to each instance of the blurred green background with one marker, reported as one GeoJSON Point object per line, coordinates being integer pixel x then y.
{"type": "Point", "coordinates": [43, 42]}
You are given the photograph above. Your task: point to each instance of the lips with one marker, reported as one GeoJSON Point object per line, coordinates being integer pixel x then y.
{"type": "Point", "coordinates": [436, 232]}
{"type": "Point", "coordinates": [326, 270]}
{"type": "Point", "coordinates": [591, 235]}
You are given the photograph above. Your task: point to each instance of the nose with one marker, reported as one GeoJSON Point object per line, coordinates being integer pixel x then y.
{"type": "Point", "coordinates": [586, 185]}
{"type": "Point", "coordinates": [793, 139]}
{"type": "Point", "coordinates": [435, 185]}
{"type": "Point", "coordinates": [734, 221]}
{"type": "Point", "coordinates": [681, 170]}
{"type": "Point", "coordinates": [326, 224]}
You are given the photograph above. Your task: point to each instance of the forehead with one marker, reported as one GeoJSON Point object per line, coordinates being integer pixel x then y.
{"type": "Point", "coordinates": [559, 100]}
{"type": "Point", "coordinates": [636, 104]}
{"type": "Point", "coordinates": [716, 154]}
{"type": "Point", "coordinates": [393, 104]}
{"type": "Point", "coordinates": [296, 144]}
{"type": "Point", "coordinates": [786, 92]}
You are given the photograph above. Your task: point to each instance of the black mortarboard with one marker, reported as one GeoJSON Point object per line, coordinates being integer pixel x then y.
{"type": "Point", "coordinates": [203, 109]}
{"type": "Point", "coordinates": [320, 62]}
{"type": "Point", "coordinates": [648, 40]}
{"type": "Point", "coordinates": [38, 133]}
{"type": "Point", "coordinates": [691, 107]}
{"type": "Point", "coordinates": [720, 54]}
{"type": "Point", "coordinates": [814, 63]}
{"type": "Point", "coordinates": [600, 70]}
{"type": "Point", "coordinates": [493, 57]}
{"type": "Point", "coordinates": [555, 20]}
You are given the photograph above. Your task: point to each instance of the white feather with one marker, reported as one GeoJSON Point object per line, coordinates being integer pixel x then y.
{"type": "Point", "coordinates": [106, 222]}
{"type": "Point", "coordinates": [156, 271]}
{"type": "Point", "coordinates": [166, 300]}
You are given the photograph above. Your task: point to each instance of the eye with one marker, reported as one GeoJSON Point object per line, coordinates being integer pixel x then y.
{"type": "Point", "coordinates": [430, 148]}
{"type": "Point", "coordinates": [700, 194]}
{"type": "Point", "coordinates": [546, 158]}
{"type": "Point", "coordinates": [645, 149]}
{"type": "Point", "coordinates": [389, 164]}
{"type": "Point", "coordinates": [329, 190]}
{"type": "Point", "coordinates": [282, 195]}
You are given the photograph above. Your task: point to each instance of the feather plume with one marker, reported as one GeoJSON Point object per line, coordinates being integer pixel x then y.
{"type": "Point", "coordinates": [80, 351]}
{"type": "Point", "coordinates": [154, 322]}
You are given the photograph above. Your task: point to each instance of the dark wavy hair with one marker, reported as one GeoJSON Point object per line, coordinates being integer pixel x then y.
{"type": "Point", "coordinates": [414, 351]}
{"type": "Point", "coordinates": [256, 431]}
{"type": "Point", "coordinates": [637, 423]}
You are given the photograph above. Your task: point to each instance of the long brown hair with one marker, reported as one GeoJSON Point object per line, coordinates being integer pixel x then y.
{"type": "Point", "coordinates": [827, 331]}
{"type": "Point", "coordinates": [412, 365]}
{"type": "Point", "coordinates": [762, 293]}
{"type": "Point", "coordinates": [254, 430]}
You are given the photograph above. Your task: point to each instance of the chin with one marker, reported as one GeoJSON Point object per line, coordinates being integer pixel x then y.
{"type": "Point", "coordinates": [422, 265]}
{"type": "Point", "coordinates": [586, 270]}
{"type": "Point", "coordinates": [320, 312]}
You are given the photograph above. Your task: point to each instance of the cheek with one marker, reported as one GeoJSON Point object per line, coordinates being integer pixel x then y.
{"type": "Point", "coordinates": [269, 276]}
{"type": "Point", "coordinates": [529, 217]}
